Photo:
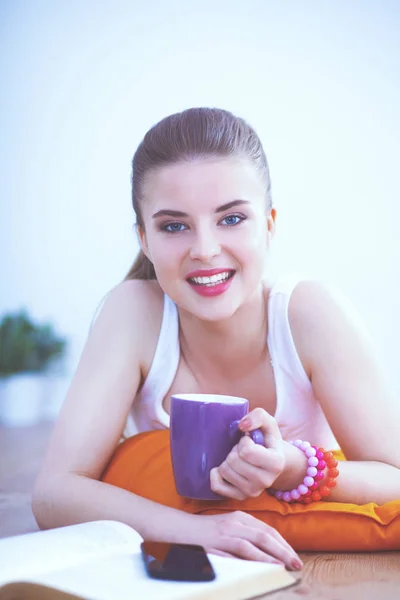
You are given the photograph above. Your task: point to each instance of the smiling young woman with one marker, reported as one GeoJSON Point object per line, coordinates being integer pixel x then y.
{"type": "Point", "coordinates": [223, 229]}
{"type": "Point", "coordinates": [196, 315]}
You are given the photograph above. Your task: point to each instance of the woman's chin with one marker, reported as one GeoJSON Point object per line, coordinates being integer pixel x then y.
{"type": "Point", "coordinates": [210, 307]}
{"type": "Point", "coordinates": [212, 310]}
{"type": "Point", "coordinates": [214, 316]}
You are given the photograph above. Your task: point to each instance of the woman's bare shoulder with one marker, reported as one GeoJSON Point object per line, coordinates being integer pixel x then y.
{"type": "Point", "coordinates": [107, 378]}
{"type": "Point", "coordinates": [133, 302]}
{"type": "Point", "coordinates": [314, 302]}
{"type": "Point", "coordinates": [318, 309]}
{"type": "Point", "coordinates": [131, 311]}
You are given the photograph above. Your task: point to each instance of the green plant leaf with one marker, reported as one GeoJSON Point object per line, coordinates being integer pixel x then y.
{"type": "Point", "coordinates": [26, 346]}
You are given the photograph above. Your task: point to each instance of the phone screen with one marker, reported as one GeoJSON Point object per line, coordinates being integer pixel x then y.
{"type": "Point", "coordinates": [180, 562]}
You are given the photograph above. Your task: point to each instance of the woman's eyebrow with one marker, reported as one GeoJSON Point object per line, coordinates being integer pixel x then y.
{"type": "Point", "coordinates": [178, 213]}
{"type": "Point", "coordinates": [231, 205]}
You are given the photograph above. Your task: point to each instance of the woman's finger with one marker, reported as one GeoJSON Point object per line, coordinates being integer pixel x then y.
{"type": "Point", "coordinates": [245, 475]}
{"type": "Point", "coordinates": [219, 486]}
{"type": "Point", "coordinates": [260, 419]}
{"type": "Point", "coordinates": [250, 521]}
{"type": "Point", "coordinates": [250, 488]}
{"type": "Point", "coordinates": [240, 534]}
{"type": "Point", "coordinates": [258, 465]}
{"type": "Point", "coordinates": [270, 545]}
{"type": "Point", "coordinates": [242, 548]}
{"type": "Point", "coordinates": [282, 541]}
{"type": "Point", "coordinates": [267, 459]}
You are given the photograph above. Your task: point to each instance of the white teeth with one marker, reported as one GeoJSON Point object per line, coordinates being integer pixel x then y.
{"type": "Point", "coordinates": [213, 280]}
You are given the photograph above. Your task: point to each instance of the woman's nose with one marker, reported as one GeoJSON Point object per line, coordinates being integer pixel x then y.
{"type": "Point", "coordinates": [205, 246]}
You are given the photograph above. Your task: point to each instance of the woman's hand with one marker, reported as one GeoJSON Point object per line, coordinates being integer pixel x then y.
{"type": "Point", "coordinates": [250, 468]}
{"type": "Point", "coordinates": [241, 535]}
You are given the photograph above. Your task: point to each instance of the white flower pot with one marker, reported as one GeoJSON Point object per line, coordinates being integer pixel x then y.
{"type": "Point", "coordinates": [27, 398]}
{"type": "Point", "coordinates": [21, 399]}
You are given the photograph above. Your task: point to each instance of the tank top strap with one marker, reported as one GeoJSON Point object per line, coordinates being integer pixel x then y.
{"type": "Point", "coordinates": [165, 363]}
{"type": "Point", "coordinates": [283, 352]}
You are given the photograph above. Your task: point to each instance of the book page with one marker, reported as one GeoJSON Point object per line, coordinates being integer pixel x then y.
{"type": "Point", "coordinates": [31, 554]}
{"type": "Point", "coordinates": [124, 577]}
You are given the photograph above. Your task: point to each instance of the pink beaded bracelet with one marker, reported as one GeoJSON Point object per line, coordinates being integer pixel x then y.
{"type": "Point", "coordinates": [316, 466]}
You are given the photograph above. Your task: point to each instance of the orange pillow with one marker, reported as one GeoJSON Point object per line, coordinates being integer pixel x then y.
{"type": "Point", "coordinates": [142, 465]}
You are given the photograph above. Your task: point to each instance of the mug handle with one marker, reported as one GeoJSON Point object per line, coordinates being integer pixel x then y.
{"type": "Point", "coordinates": [256, 435]}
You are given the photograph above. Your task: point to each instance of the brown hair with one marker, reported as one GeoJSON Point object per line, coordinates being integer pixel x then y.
{"type": "Point", "coordinates": [184, 136]}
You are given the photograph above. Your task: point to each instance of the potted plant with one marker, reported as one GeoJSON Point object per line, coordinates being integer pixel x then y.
{"type": "Point", "coordinates": [30, 354]}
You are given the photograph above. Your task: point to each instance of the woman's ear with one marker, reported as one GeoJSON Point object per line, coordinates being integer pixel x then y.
{"type": "Point", "coordinates": [271, 223]}
{"type": "Point", "coordinates": [143, 242]}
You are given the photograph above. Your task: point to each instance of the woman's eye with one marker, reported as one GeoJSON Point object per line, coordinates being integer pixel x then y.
{"type": "Point", "coordinates": [232, 220]}
{"type": "Point", "coordinates": [173, 227]}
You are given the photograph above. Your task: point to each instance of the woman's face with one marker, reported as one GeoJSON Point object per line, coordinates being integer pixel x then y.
{"type": "Point", "coordinates": [206, 232]}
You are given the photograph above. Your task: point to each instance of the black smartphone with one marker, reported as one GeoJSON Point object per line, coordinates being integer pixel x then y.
{"type": "Point", "coordinates": [179, 562]}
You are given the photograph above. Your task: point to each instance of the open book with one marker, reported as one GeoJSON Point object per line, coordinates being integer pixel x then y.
{"type": "Point", "coordinates": [101, 560]}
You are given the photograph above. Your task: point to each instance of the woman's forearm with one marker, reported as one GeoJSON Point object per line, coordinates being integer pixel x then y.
{"type": "Point", "coordinates": [360, 482]}
{"type": "Point", "coordinates": [69, 499]}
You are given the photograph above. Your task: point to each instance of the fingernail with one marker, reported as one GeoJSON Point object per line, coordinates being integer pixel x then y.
{"type": "Point", "coordinates": [296, 564]}
{"type": "Point", "coordinates": [245, 422]}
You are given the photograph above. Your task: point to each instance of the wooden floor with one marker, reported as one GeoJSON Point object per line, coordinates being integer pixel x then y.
{"type": "Point", "coordinates": [369, 576]}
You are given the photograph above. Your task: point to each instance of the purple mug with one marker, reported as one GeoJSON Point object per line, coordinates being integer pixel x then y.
{"type": "Point", "coordinates": [203, 430]}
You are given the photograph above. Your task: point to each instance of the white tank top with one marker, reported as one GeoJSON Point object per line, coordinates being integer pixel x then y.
{"type": "Point", "coordinates": [298, 413]}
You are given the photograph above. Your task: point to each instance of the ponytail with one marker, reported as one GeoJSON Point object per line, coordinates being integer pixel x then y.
{"type": "Point", "coordinates": [142, 268]}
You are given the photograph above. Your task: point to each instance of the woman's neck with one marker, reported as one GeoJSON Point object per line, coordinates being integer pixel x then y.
{"type": "Point", "coordinates": [232, 347]}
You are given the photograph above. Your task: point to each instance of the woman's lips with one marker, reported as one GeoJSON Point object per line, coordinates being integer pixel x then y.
{"type": "Point", "coordinates": [208, 272]}
{"type": "Point", "coordinates": [206, 283]}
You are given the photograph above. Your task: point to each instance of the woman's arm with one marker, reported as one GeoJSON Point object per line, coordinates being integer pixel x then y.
{"type": "Point", "coordinates": [351, 388]}
{"type": "Point", "coordinates": [89, 427]}
{"type": "Point", "coordinates": [365, 418]}
{"type": "Point", "coordinates": [94, 412]}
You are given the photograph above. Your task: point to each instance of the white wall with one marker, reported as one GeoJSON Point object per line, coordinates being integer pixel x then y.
{"type": "Point", "coordinates": [83, 80]}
